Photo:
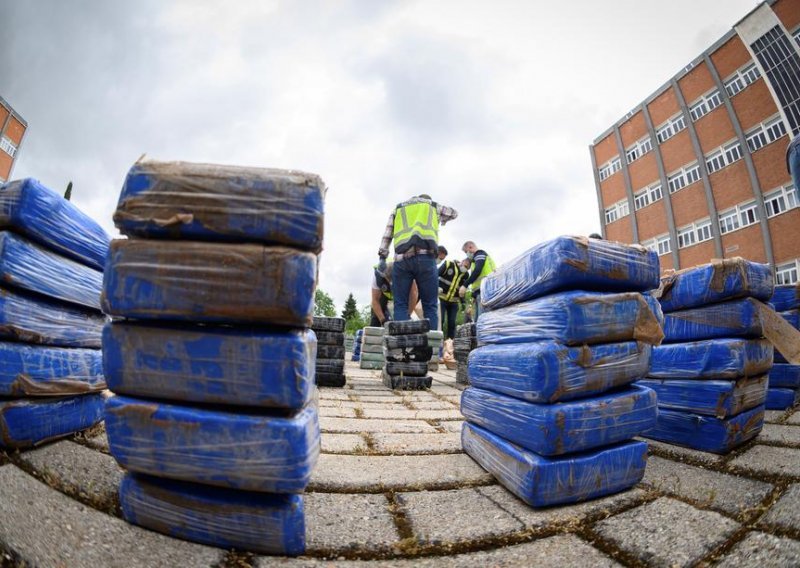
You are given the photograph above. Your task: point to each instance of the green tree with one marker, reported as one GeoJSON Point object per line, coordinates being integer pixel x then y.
{"type": "Point", "coordinates": [323, 304]}
{"type": "Point", "coordinates": [350, 308]}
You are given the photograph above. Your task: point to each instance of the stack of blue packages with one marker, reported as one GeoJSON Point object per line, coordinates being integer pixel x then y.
{"type": "Point", "coordinates": [210, 354]}
{"type": "Point", "coordinates": [711, 372]}
{"type": "Point", "coordinates": [784, 378]}
{"type": "Point", "coordinates": [551, 411]}
{"type": "Point", "coordinates": [51, 259]}
{"type": "Point", "coordinates": [357, 345]}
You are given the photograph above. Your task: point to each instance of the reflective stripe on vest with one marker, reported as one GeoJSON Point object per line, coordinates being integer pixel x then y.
{"type": "Point", "coordinates": [452, 289]}
{"type": "Point", "coordinates": [488, 268]}
{"type": "Point", "coordinates": [418, 219]}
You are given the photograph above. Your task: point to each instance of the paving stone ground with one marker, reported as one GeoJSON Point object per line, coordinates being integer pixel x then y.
{"type": "Point", "coordinates": [393, 488]}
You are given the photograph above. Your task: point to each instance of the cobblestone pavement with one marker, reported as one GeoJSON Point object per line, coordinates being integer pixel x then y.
{"type": "Point", "coordinates": [393, 488]}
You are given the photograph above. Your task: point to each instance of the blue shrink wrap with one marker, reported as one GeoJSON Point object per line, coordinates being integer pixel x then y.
{"type": "Point", "coordinates": [571, 263]}
{"type": "Point", "coordinates": [259, 522]}
{"type": "Point", "coordinates": [26, 422]}
{"type": "Point", "coordinates": [541, 481]}
{"type": "Point", "coordinates": [711, 398]}
{"type": "Point", "coordinates": [28, 207]}
{"type": "Point", "coordinates": [37, 370]}
{"type": "Point", "coordinates": [250, 367]}
{"type": "Point", "coordinates": [207, 202]}
{"type": "Point", "coordinates": [266, 452]}
{"type": "Point", "coordinates": [786, 297]}
{"type": "Point", "coordinates": [706, 433]}
{"type": "Point", "coordinates": [723, 358]}
{"type": "Point", "coordinates": [718, 281]}
{"type": "Point", "coordinates": [737, 318]}
{"type": "Point", "coordinates": [31, 267]}
{"type": "Point", "coordinates": [792, 316]}
{"type": "Point", "coordinates": [546, 371]}
{"type": "Point", "coordinates": [575, 318]}
{"type": "Point", "coordinates": [33, 319]}
{"type": "Point", "coordinates": [781, 399]}
{"type": "Point", "coordinates": [564, 427]}
{"type": "Point", "coordinates": [784, 375]}
{"type": "Point", "coordinates": [209, 282]}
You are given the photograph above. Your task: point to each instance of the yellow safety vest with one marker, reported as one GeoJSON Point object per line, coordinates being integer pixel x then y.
{"type": "Point", "coordinates": [416, 221]}
{"type": "Point", "coordinates": [452, 290]}
{"type": "Point", "coordinates": [383, 284]}
{"type": "Point", "coordinates": [488, 268]}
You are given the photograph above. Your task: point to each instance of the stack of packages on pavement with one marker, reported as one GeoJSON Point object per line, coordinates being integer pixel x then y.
{"type": "Point", "coordinates": [784, 378]}
{"type": "Point", "coordinates": [214, 417]}
{"type": "Point", "coordinates": [551, 409]}
{"type": "Point", "coordinates": [357, 345]}
{"type": "Point", "coordinates": [330, 351]}
{"type": "Point", "coordinates": [51, 261]}
{"type": "Point", "coordinates": [408, 355]}
{"type": "Point", "coordinates": [465, 341]}
{"type": "Point", "coordinates": [371, 355]}
{"type": "Point", "coordinates": [349, 343]}
{"type": "Point", "coordinates": [711, 372]}
{"type": "Point", "coordinates": [435, 342]}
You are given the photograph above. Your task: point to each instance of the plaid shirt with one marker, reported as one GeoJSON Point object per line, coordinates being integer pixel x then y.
{"type": "Point", "coordinates": [445, 214]}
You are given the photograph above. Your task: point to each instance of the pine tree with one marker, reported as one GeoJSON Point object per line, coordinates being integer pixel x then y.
{"type": "Point", "coordinates": [350, 308]}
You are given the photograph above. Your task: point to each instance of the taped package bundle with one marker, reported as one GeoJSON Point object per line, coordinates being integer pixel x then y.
{"type": "Point", "coordinates": [436, 343]}
{"type": "Point", "coordinates": [784, 378]}
{"type": "Point", "coordinates": [551, 410]}
{"type": "Point", "coordinates": [357, 339]}
{"type": "Point", "coordinates": [408, 353]}
{"type": "Point", "coordinates": [330, 351]}
{"type": "Point", "coordinates": [711, 372]}
{"type": "Point", "coordinates": [210, 354]}
{"type": "Point", "coordinates": [465, 341]}
{"type": "Point", "coordinates": [371, 351]}
{"type": "Point", "coordinates": [51, 375]}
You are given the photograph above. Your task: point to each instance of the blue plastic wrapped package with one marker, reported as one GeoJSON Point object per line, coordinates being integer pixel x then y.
{"type": "Point", "coordinates": [711, 398]}
{"type": "Point", "coordinates": [706, 433]}
{"type": "Point", "coordinates": [31, 267]}
{"type": "Point", "coordinates": [782, 399]}
{"type": "Point", "coordinates": [33, 319]}
{"type": "Point", "coordinates": [571, 263]}
{"type": "Point", "coordinates": [564, 427]}
{"type": "Point", "coordinates": [181, 200]}
{"type": "Point", "coordinates": [784, 375]}
{"type": "Point", "coordinates": [737, 318]}
{"type": "Point", "coordinates": [209, 282]}
{"type": "Point", "coordinates": [268, 452]}
{"type": "Point", "coordinates": [792, 316]}
{"type": "Point", "coordinates": [37, 370]}
{"type": "Point", "coordinates": [723, 358]}
{"type": "Point", "coordinates": [547, 371]}
{"type": "Point", "coordinates": [786, 297]}
{"type": "Point", "coordinates": [27, 422]}
{"type": "Point", "coordinates": [28, 207]}
{"type": "Point", "coordinates": [259, 522]}
{"type": "Point", "coordinates": [541, 481]}
{"type": "Point", "coordinates": [575, 318]}
{"type": "Point", "coordinates": [718, 281]}
{"type": "Point", "coordinates": [250, 367]}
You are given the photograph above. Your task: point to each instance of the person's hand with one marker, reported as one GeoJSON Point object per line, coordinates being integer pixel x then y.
{"type": "Point", "coordinates": [462, 291]}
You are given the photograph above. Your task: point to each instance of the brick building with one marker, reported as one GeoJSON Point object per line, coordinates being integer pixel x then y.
{"type": "Point", "coordinates": [12, 131]}
{"type": "Point", "coordinates": [698, 170]}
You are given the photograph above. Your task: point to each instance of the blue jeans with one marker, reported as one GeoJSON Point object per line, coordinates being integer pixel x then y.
{"type": "Point", "coordinates": [421, 268]}
{"type": "Point", "coordinates": [793, 161]}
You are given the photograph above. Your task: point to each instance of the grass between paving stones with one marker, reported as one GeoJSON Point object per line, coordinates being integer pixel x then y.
{"type": "Point", "coordinates": [237, 559]}
{"type": "Point", "coordinates": [10, 559]}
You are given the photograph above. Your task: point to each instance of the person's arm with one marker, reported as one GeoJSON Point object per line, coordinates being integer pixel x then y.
{"type": "Point", "coordinates": [445, 213]}
{"type": "Point", "coordinates": [386, 240]}
{"type": "Point", "coordinates": [376, 305]}
{"type": "Point", "coordinates": [413, 297]}
{"type": "Point", "coordinates": [479, 260]}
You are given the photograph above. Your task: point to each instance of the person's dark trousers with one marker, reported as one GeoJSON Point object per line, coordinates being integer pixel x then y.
{"type": "Point", "coordinates": [476, 297]}
{"type": "Point", "coordinates": [384, 303]}
{"type": "Point", "coordinates": [421, 268]}
{"type": "Point", "coordinates": [374, 322]}
{"type": "Point", "coordinates": [449, 315]}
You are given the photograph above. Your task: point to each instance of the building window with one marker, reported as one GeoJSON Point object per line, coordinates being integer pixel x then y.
{"type": "Point", "coordinates": [796, 35]}
{"type": "Point", "coordinates": [728, 221]}
{"type": "Point", "coordinates": [781, 64]}
{"type": "Point", "coordinates": [670, 128]}
{"type": "Point", "coordinates": [8, 146]}
{"type": "Point", "coordinates": [693, 234]}
{"type": "Point", "coordinates": [787, 273]}
{"type": "Point", "coordinates": [617, 211]}
{"type": "Point", "coordinates": [704, 105]}
{"type": "Point", "coordinates": [638, 149]}
{"type": "Point", "coordinates": [723, 156]}
{"type": "Point", "coordinates": [659, 245]}
{"type": "Point", "coordinates": [738, 217]}
{"type": "Point", "coordinates": [703, 230]}
{"type": "Point", "coordinates": [781, 200]}
{"type": "Point", "coordinates": [765, 133]}
{"type": "Point", "coordinates": [748, 214]}
{"type": "Point", "coordinates": [745, 76]}
{"type": "Point", "coordinates": [686, 237]}
{"type": "Point", "coordinates": [715, 161]}
{"type": "Point", "coordinates": [609, 168]}
{"type": "Point", "coordinates": [648, 195]}
{"type": "Point", "coordinates": [683, 177]}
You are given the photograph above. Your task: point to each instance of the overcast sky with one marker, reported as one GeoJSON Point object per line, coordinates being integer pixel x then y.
{"type": "Point", "coordinates": [488, 106]}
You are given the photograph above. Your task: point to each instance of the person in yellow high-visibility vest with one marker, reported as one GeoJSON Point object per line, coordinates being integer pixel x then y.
{"type": "Point", "coordinates": [450, 275]}
{"type": "Point", "coordinates": [382, 298]}
{"type": "Point", "coordinates": [414, 228]}
{"type": "Point", "coordinates": [480, 266]}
